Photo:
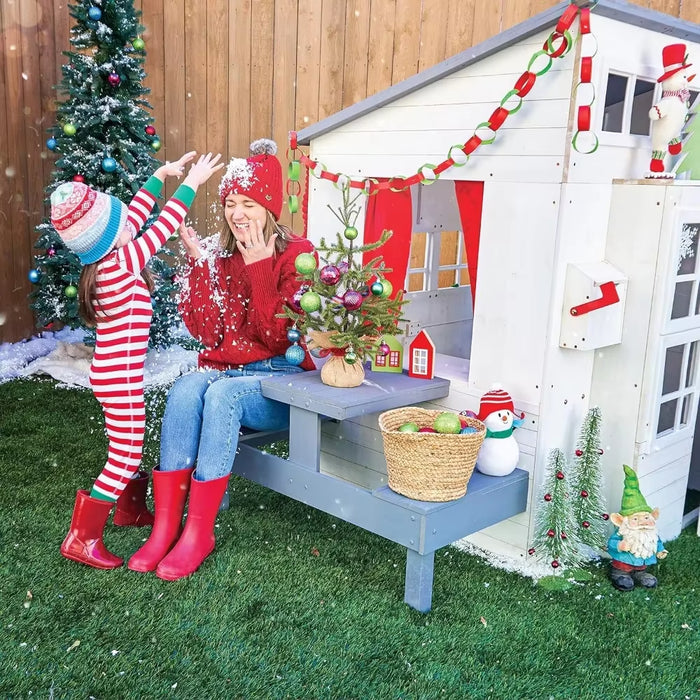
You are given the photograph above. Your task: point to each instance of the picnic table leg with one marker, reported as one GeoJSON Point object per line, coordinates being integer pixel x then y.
{"type": "Point", "coordinates": [305, 438]}
{"type": "Point", "coordinates": [418, 592]}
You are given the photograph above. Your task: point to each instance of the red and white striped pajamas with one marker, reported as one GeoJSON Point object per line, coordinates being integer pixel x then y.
{"type": "Point", "coordinates": [123, 309]}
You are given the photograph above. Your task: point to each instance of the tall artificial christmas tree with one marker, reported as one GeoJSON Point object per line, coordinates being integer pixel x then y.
{"type": "Point", "coordinates": [555, 529]}
{"type": "Point", "coordinates": [588, 504]}
{"type": "Point", "coordinates": [104, 137]}
{"type": "Point", "coordinates": [345, 306]}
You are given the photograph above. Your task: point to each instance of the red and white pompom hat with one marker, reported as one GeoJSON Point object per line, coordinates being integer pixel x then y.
{"type": "Point", "coordinates": [495, 399]}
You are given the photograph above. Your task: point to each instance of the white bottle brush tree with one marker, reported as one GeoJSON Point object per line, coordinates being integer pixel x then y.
{"type": "Point", "coordinates": [588, 503]}
{"type": "Point", "coordinates": [344, 306]}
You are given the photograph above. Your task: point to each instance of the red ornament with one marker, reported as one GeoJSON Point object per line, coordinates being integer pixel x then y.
{"type": "Point", "coordinates": [555, 564]}
{"type": "Point", "coordinates": [605, 516]}
{"type": "Point", "coordinates": [51, 251]}
{"type": "Point", "coordinates": [150, 130]}
{"type": "Point", "coordinates": [560, 475]}
{"type": "Point", "coordinates": [78, 178]}
{"type": "Point", "coordinates": [579, 453]}
{"type": "Point", "coordinates": [113, 79]}
{"type": "Point", "coordinates": [352, 300]}
{"type": "Point", "coordinates": [584, 494]}
{"type": "Point", "coordinates": [548, 497]}
{"type": "Point", "coordinates": [563, 535]}
{"type": "Point", "coordinates": [531, 550]}
{"type": "Point", "coordinates": [586, 524]}
{"type": "Point", "coordinates": [550, 533]}
{"type": "Point", "coordinates": [601, 452]}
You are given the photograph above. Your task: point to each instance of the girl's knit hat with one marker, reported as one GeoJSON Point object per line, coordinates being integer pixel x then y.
{"type": "Point", "coordinates": [89, 222]}
{"type": "Point", "coordinates": [258, 177]}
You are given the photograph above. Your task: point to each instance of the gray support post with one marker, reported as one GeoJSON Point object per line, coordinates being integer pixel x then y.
{"type": "Point", "coordinates": [418, 591]}
{"type": "Point", "coordinates": [305, 438]}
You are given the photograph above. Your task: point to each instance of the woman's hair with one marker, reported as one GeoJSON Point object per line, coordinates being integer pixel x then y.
{"type": "Point", "coordinates": [87, 291]}
{"type": "Point", "coordinates": [284, 235]}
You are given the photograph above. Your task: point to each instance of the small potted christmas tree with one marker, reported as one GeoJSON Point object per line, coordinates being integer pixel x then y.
{"type": "Point", "coordinates": [343, 305]}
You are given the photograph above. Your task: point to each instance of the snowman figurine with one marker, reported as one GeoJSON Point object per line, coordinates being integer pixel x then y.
{"type": "Point", "coordinates": [668, 115]}
{"type": "Point", "coordinates": [499, 453]}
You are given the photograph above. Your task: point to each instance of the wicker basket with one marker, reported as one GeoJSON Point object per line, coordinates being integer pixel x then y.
{"type": "Point", "coordinates": [428, 466]}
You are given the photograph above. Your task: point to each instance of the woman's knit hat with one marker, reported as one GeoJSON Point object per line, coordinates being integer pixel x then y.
{"type": "Point", "coordinates": [89, 222]}
{"type": "Point", "coordinates": [258, 177]}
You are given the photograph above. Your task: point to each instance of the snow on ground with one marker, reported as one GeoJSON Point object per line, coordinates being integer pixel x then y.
{"type": "Point", "coordinates": [64, 356]}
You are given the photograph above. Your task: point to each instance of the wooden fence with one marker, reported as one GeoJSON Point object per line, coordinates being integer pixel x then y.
{"type": "Point", "coordinates": [222, 72]}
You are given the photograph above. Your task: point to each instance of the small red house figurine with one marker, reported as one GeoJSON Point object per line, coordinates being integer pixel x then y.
{"type": "Point", "coordinates": [421, 357]}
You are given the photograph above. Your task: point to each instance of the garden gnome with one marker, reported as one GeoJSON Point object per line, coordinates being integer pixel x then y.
{"type": "Point", "coordinates": [499, 453]}
{"type": "Point", "coordinates": [635, 543]}
{"type": "Point", "coordinates": [668, 115]}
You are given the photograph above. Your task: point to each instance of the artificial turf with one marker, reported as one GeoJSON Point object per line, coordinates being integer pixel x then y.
{"type": "Point", "coordinates": [297, 604]}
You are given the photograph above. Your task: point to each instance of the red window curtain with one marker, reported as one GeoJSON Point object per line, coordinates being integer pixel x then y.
{"type": "Point", "coordinates": [390, 210]}
{"type": "Point", "coordinates": [470, 200]}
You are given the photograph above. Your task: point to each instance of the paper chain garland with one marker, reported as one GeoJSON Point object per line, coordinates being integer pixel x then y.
{"type": "Point", "coordinates": [557, 45]}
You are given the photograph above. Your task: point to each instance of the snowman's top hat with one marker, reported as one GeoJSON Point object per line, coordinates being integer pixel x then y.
{"type": "Point", "coordinates": [674, 58]}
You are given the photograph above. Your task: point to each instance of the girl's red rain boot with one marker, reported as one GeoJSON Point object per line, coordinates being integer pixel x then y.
{"type": "Point", "coordinates": [131, 506]}
{"type": "Point", "coordinates": [169, 495]}
{"type": "Point", "coordinates": [83, 542]}
{"type": "Point", "coordinates": [197, 540]}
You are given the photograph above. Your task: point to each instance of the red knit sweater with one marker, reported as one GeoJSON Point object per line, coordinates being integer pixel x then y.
{"type": "Point", "coordinates": [231, 307]}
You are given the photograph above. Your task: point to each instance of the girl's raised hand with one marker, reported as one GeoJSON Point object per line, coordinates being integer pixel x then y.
{"type": "Point", "coordinates": [203, 169]}
{"type": "Point", "coordinates": [176, 168]}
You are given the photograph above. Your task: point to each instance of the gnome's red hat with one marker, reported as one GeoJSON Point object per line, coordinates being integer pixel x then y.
{"type": "Point", "coordinates": [495, 399]}
{"type": "Point", "coordinates": [674, 58]}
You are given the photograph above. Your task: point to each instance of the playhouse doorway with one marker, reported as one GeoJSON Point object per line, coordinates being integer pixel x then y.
{"type": "Point", "coordinates": [438, 282]}
{"type": "Point", "coordinates": [691, 507]}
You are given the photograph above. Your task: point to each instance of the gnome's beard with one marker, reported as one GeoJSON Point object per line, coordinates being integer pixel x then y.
{"type": "Point", "coordinates": [641, 541]}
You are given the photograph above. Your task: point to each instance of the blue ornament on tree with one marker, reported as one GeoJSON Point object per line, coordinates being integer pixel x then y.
{"type": "Point", "coordinates": [293, 335]}
{"type": "Point", "coordinates": [94, 13]}
{"type": "Point", "coordinates": [34, 276]}
{"type": "Point", "coordinates": [295, 354]}
{"type": "Point", "coordinates": [51, 144]}
{"type": "Point", "coordinates": [109, 165]}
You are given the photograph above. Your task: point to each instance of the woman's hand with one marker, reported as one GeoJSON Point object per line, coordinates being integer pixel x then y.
{"type": "Point", "coordinates": [175, 169]}
{"type": "Point", "coordinates": [202, 170]}
{"type": "Point", "coordinates": [253, 246]}
{"type": "Point", "coordinates": [190, 241]}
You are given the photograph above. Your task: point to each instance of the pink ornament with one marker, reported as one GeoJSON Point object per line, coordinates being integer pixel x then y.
{"type": "Point", "coordinates": [113, 79]}
{"type": "Point", "coordinates": [329, 274]}
{"type": "Point", "coordinates": [352, 300]}
{"type": "Point", "coordinates": [51, 252]}
{"type": "Point", "coordinates": [384, 349]}
{"type": "Point", "coordinates": [343, 267]}
{"type": "Point", "coordinates": [427, 429]}
{"type": "Point", "coordinates": [294, 302]}
{"type": "Point", "coordinates": [150, 130]}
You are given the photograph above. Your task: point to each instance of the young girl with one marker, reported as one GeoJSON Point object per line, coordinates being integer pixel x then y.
{"type": "Point", "coordinates": [115, 298]}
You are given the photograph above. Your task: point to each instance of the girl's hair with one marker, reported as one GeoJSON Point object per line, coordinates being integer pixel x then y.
{"type": "Point", "coordinates": [284, 235]}
{"type": "Point", "coordinates": [87, 291]}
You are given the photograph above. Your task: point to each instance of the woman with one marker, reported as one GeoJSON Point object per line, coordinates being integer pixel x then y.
{"type": "Point", "coordinates": [230, 299]}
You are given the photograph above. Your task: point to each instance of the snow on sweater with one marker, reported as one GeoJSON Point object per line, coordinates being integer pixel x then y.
{"type": "Point", "coordinates": [231, 307]}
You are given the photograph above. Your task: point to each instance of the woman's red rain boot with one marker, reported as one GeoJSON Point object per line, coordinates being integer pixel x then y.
{"type": "Point", "coordinates": [197, 540]}
{"type": "Point", "coordinates": [169, 495]}
{"type": "Point", "coordinates": [131, 506]}
{"type": "Point", "coordinates": [83, 542]}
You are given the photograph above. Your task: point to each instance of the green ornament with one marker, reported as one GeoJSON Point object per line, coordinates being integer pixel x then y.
{"type": "Point", "coordinates": [138, 44]}
{"type": "Point", "coordinates": [409, 428]}
{"type": "Point", "coordinates": [310, 302]}
{"type": "Point", "coordinates": [69, 129]}
{"type": "Point", "coordinates": [155, 145]}
{"type": "Point", "coordinates": [350, 233]}
{"type": "Point", "coordinates": [351, 357]}
{"type": "Point", "coordinates": [388, 288]}
{"type": "Point", "coordinates": [71, 291]}
{"type": "Point", "coordinates": [377, 289]}
{"type": "Point", "coordinates": [447, 422]}
{"type": "Point", "coordinates": [305, 263]}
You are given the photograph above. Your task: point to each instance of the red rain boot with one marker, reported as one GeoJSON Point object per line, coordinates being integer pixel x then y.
{"type": "Point", "coordinates": [83, 542]}
{"type": "Point", "coordinates": [675, 148]}
{"type": "Point", "coordinates": [169, 495]}
{"type": "Point", "coordinates": [197, 540]}
{"type": "Point", "coordinates": [131, 506]}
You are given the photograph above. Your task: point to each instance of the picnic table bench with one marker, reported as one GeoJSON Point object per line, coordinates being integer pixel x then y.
{"type": "Point", "coordinates": [420, 526]}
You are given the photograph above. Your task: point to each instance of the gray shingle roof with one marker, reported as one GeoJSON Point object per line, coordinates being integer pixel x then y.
{"type": "Point", "coordinates": [620, 10]}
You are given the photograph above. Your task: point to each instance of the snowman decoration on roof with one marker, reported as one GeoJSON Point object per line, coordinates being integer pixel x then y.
{"type": "Point", "coordinates": [499, 453]}
{"type": "Point", "coordinates": [669, 114]}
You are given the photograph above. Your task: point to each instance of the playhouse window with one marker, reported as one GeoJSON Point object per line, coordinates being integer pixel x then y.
{"type": "Point", "coordinates": [437, 261]}
{"type": "Point", "coordinates": [677, 389]}
{"type": "Point", "coordinates": [627, 103]}
{"type": "Point", "coordinates": [686, 294]}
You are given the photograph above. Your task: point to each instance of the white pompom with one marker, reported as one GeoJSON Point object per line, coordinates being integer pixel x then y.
{"type": "Point", "coordinates": [261, 146]}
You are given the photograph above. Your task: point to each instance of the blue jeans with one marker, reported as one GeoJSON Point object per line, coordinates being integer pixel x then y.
{"type": "Point", "coordinates": [206, 409]}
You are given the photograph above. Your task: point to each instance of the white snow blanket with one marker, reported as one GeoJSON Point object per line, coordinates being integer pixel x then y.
{"type": "Point", "coordinates": [65, 357]}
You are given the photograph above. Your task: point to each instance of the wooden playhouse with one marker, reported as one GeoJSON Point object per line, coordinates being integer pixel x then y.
{"type": "Point", "coordinates": [548, 229]}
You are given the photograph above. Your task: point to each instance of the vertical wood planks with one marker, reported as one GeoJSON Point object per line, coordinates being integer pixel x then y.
{"type": "Point", "coordinates": [262, 69]}
{"type": "Point", "coordinates": [381, 46]}
{"type": "Point", "coordinates": [357, 21]}
{"type": "Point", "coordinates": [332, 52]}
{"type": "Point", "coordinates": [406, 40]}
{"type": "Point", "coordinates": [240, 98]}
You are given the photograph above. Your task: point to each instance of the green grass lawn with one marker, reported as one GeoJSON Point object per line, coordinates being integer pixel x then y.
{"type": "Point", "coordinates": [298, 604]}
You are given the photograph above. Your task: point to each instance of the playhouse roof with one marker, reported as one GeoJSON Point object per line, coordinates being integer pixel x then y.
{"type": "Point", "coordinates": [620, 10]}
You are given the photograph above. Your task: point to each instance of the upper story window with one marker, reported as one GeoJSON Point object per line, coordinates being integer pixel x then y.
{"type": "Point", "coordinates": [628, 99]}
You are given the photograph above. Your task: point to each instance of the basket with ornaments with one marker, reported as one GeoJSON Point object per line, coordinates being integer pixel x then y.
{"type": "Point", "coordinates": [430, 454]}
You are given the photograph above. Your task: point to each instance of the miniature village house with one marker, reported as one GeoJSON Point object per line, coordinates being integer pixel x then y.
{"type": "Point", "coordinates": [421, 356]}
{"type": "Point", "coordinates": [496, 253]}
